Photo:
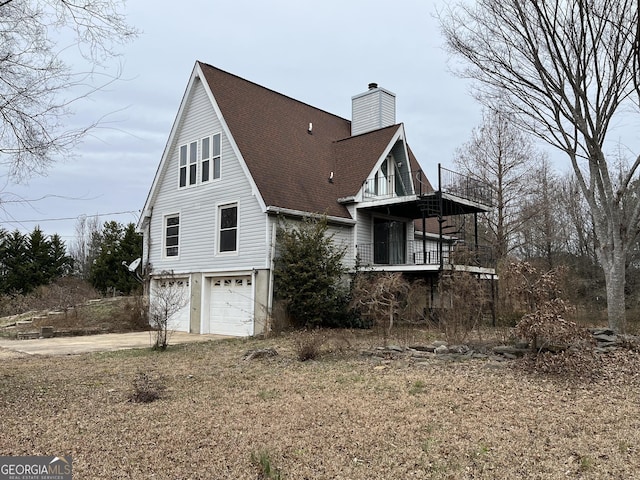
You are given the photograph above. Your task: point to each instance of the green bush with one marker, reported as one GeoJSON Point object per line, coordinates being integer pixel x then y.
{"type": "Point", "coordinates": [309, 274]}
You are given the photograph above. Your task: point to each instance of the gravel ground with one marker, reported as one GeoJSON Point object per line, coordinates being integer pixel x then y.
{"type": "Point", "coordinates": [341, 416]}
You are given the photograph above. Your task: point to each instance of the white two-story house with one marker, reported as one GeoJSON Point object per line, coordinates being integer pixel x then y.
{"type": "Point", "coordinates": [240, 156]}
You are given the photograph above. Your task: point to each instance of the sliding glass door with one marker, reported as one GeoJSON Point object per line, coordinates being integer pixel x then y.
{"type": "Point", "coordinates": [389, 237]}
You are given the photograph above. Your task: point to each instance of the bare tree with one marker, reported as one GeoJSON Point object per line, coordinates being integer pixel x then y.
{"type": "Point", "coordinates": [37, 87]}
{"type": "Point", "coordinates": [502, 155]}
{"type": "Point", "coordinates": [168, 297]}
{"type": "Point", "coordinates": [86, 244]}
{"type": "Point", "coordinates": [545, 233]}
{"type": "Point", "coordinates": [567, 70]}
{"type": "Point", "coordinates": [379, 297]}
{"type": "Point", "coordinates": [463, 299]}
{"type": "Point", "coordinates": [581, 241]}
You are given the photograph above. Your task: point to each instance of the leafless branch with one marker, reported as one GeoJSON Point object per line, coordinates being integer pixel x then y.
{"type": "Point", "coordinates": [38, 88]}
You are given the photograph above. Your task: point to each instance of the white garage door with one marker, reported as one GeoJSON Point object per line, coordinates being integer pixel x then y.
{"type": "Point", "coordinates": [172, 296]}
{"type": "Point", "coordinates": [231, 306]}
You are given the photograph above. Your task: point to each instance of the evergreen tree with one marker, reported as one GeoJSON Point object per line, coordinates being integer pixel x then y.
{"type": "Point", "coordinates": [15, 264]}
{"type": "Point", "coordinates": [38, 260]}
{"type": "Point", "coordinates": [3, 257]}
{"type": "Point", "coordinates": [104, 271]}
{"type": "Point", "coordinates": [308, 274]}
{"type": "Point", "coordinates": [130, 249]}
{"type": "Point", "coordinates": [60, 263]}
{"type": "Point", "coordinates": [119, 244]}
{"type": "Point", "coordinates": [28, 261]}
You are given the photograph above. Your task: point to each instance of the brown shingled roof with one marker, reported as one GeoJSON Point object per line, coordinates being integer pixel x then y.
{"type": "Point", "coordinates": [291, 167]}
{"type": "Point", "coordinates": [356, 156]}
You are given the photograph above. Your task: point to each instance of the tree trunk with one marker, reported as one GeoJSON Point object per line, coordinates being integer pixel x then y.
{"type": "Point", "coordinates": [615, 279]}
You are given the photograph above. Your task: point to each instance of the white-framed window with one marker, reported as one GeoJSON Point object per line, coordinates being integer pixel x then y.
{"type": "Point", "coordinates": [193, 163]}
{"type": "Point", "coordinates": [217, 155]}
{"type": "Point", "coordinates": [228, 228]}
{"type": "Point", "coordinates": [171, 235]}
{"type": "Point", "coordinates": [208, 159]}
{"type": "Point", "coordinates": [183, 166]}
{"type": "Point", "coordinates": [188, 164]}
{"type": "Point", "coordinates": [205, 154]}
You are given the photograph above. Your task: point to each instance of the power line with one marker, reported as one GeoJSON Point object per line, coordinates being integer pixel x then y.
{"type": "Point", "coordinates": [70, 218]}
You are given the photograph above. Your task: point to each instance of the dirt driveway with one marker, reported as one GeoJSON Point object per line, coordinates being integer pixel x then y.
{"type": "Point", "coordinates": [92, 343]}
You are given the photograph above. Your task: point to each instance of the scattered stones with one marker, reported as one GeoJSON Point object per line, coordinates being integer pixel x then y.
{"type": "Point", "coordinates": [603, 338]}
{"type": "Point", "coordinates": [510, 351]}
{"type": "Point", "coordinates": [606, 341]}
{"type": "Point", "coordinates": [422, 348]}
{"type": "Point", "coordinates": [462, 349]}
{"type": "Point", "coordinates": [440, 350]}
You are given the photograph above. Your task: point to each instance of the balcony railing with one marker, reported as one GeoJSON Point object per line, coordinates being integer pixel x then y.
{"type": "Point", "coordinates": [409, 183]}
{"type": "Point", "coordinates": [464, 186]}
{"type": "Point", "coordinates": [413, 253]}
{"type": "Point", "coordinates": [385, 186]}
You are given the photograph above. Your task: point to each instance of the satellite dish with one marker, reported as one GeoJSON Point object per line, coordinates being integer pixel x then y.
{"type": "Point", "coordinates": [134, 265]}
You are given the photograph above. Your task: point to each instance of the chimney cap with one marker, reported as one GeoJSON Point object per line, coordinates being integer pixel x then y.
{"type": "Point", "coordinates": [373, 85]}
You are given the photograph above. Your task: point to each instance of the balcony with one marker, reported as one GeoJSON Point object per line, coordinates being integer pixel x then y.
{"type": "Point", "coordinates": [410, 195]}
{"type": "Point", "coordinates": [416, 253]}
{"type": "Point", "coordinates": [464, 187]}
{"type": "Point", "coordinates": [388, 186]}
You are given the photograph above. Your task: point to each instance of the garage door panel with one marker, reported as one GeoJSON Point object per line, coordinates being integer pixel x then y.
{"type": "Point", "coordinates": [231, 306]}
{"type": "Point", "coordinates": [174, 292]}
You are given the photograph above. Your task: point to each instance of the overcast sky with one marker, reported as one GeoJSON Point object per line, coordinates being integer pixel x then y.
{"type": "Point", "coordinates": [321, 53]}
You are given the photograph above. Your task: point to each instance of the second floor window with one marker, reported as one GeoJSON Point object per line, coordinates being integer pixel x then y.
{"type": "Point", "coordinates": [216, 155]}
{"type": "Point", "coordinates": [193, 162]}
{"type": "Point", "coordinates": [228, 237]}
{"type": "Point", "coordinates": [183, 166]}
{"type": "Point", "coordinates": [207, 160]}
{"type": "Point", "coordinates": [171, 235]}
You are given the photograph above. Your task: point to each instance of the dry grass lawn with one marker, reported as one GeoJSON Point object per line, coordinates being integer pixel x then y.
{"type": "Point", "coordinates": [341, 416]}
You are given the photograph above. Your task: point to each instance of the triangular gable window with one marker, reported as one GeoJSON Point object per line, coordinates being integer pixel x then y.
{"type": "Point", "coordinates": [391, 179]}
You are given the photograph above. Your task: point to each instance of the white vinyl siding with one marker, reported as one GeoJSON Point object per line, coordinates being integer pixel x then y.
{"type": "Point", "coordinates": [342, 238]}
{"type": "Point", "coordinates": [197, 206]}
{"type": "Point", "coordinates": [372, 110]}
{"type": "Point", "coordinates": [365, 229]}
